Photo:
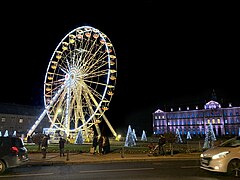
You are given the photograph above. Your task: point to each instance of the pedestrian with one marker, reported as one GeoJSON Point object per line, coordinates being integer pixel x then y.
{"type": "Point", "coordinates": [161, 144]}
{"type": "Point", "coordinates": [44, 145]}
{"type": "Point", "coordinates": [100, 144]}
{"type": "Point", "coordinates": [95, 144]}
{"type": "Point", "coordinates": [106, 145]}
{"type": "Point", "coordinates": [61, 146]}
{"type": "Point", "coordinates": [28, 139]}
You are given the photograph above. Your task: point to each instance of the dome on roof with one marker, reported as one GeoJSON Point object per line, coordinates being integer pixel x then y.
{"type": "Point", "coordinates": [159, 111]}
{"type": "Point", "coordinates": [212, 105]}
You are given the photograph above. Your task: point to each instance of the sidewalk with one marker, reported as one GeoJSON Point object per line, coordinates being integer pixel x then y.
{"type": "Point", "coordinates": [80, 158]}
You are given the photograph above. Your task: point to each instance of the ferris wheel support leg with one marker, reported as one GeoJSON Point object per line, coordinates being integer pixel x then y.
{"type": "Point", "coordinates": [37, 123]}
{"type": "Point", "coordinates": [86, 134]}
{"type": "Point", "coordinates": [110, 126]}
{"type": "Point", "coordinates": [98, 129]}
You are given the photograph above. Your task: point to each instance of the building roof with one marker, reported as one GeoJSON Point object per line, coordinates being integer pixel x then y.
{"type": "Point", "coordinates": [18, 109]}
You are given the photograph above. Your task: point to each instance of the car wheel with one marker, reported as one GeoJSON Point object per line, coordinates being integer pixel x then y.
{"type": "Point", "coordinates": [2, 167]}
{"type": "Point", "coordinates": [234, 167]}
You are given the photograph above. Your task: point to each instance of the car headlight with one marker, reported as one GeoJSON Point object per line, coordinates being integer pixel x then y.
{"type": "Point", "coordinates": [220, 155]}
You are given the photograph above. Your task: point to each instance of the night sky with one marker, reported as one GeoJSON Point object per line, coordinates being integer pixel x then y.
{"type": "Point", "coordinates": [167, 55]}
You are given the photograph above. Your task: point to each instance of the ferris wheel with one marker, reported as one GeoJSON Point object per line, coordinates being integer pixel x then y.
{"type": "Point", "coordinates": [80, 81]}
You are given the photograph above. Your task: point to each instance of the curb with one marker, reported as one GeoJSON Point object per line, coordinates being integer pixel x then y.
{"type": "Point", "coordinates": [52, 161]}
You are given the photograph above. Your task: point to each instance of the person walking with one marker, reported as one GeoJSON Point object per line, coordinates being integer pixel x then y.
{"type": "Point", "coordinates": [44, 146]}
{"type": "Point", "coordinates": [61, 146]}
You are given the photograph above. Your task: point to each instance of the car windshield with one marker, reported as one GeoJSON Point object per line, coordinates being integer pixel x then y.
{"type": "Point", "coordinates": [233, 142]}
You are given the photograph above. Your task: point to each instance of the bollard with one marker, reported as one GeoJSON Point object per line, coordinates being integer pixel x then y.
{"type": "Point", "coordinates": [188, 150]}
{"type": "Point", "coordinates": [122, 152]}
{"type": "Point", "coordinates": [67, 155]}
{"type": "Point", "coordinates": [199, 147]}
{"type": "Point", "coordinates": [171, 148]}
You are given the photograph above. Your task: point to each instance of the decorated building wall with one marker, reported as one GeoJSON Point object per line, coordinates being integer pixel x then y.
{"type": "Point", "coordinates": [225, 121]}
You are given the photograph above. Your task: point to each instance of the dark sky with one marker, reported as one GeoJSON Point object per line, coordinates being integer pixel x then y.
{"type": "Point", "coordinates": [167, 54]}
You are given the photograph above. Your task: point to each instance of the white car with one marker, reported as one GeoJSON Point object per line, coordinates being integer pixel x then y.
{"type": "Point", "coordinates": [224, 158]}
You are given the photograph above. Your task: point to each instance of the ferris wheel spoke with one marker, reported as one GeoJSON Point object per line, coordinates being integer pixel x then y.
{"type": "Point", "coordinates": [92, 56]}
{"type": "Point", "coordinates": [96, 74]}
{"type": "Point", "coordinates": [50, 90]}
{"type": "Point", "coordinates": [63, 69]}
{"type": "Point", "coordinates": [78, 56]}
{"type": "Point", "coordinates": [58, 82]}
{"type": "Point", "coordinates": [90, 49]}
{"type": "Point", "coordinates": [93, 93]}
{"type": "Point", "coordinates": [65, 65]}
{"type": "Point", "coordinates": [96, 83]}
{"type": "Point", "coordinates": [57, 104]}
{"type": "Point", "coordinates": [96, 66]}
{"type": "Point", "coordinates": [88, 46]}
{"type": "Point", "coordinates": [96, 58]}
{"type": "Point", "coordinates": [73, 54]}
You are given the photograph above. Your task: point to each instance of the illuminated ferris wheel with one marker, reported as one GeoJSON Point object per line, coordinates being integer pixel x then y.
{"type": "Point", "coordinates": [80, 81]}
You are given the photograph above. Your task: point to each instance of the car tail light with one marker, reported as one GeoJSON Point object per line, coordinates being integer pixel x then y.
{"type": "Point", "coordinates": [14, 150]}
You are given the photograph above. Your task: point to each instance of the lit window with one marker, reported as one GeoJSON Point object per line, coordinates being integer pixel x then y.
{"type": "Point", "coordinates": [208, 121]}
{"type": "Point", "coordinates": [219, 121]}
{"type": "Point", "coordinates": [213, 121]}
{"type": "Point", "coordinates": [21, 120]}
{"type": "Point", "coordinates": [3, 119]}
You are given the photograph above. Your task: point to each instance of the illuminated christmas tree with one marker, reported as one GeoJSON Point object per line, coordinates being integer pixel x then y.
{"type": "Point", "coordinates": [144, 137]}
{"type": "Point", "coordinates": [179, 139]}
{"type": "Point", "coordinates": [130, 139]}
{"type": "Point", "coordinates": [134, 134]}
{"type": "Point", "coordinates": [6, 133]}
{"type": "Point", "coordinates": [79, 139]}
{"type": "Point", "coordinates": [189, 135]}
{"type": "Point", "coordinates": [209, 138]}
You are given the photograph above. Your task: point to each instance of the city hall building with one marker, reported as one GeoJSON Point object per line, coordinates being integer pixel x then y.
{"type": "Point", "coordinates": [224, 120]}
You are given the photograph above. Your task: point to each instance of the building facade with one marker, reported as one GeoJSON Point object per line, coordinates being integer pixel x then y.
{"type": "Point", "coordinates": [20, 118]}
{"type": "Point", "coordinates": [225, 121]}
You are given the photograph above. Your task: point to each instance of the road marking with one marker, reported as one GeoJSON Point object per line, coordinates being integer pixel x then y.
{"type": "Point", "coordinates": [116, 170]}
{"type": "Point", "coordinates": [158, 163]}
{"type": "Point", "coordinates": [26, 175]}
{"type": "Point", "coordinates": [189, 167]}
